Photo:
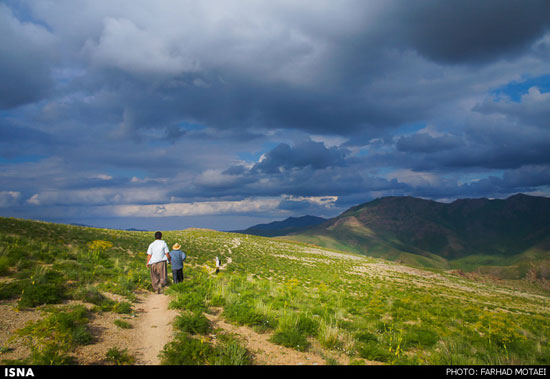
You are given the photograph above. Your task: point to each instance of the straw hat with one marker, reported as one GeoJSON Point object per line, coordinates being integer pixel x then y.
{"type": "Point", "coordinates": [177, 246]}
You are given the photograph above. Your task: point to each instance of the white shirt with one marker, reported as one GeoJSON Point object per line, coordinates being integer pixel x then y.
{"type": "Point", "coordinates": [157, 250]}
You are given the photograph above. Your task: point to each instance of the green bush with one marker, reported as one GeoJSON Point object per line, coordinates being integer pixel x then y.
{"type": "Point", "coordinates": [373, 352]}
{"type": "Point", "coordinates": [51, 355]}
{"type": "Point", "coordinates": [122, 307]}
{"type": "Point", "coordinates": [119, 357]}
{"type": "Point", "coordinates": [307, 325]}
{"type": "Point", "coordinates": [41, 293]}
{"type": "Point", "coordinates": [4, 265]}
{"type": "Point", "coordinates": [419, 337]}
{"type": "Point", "coordinates": [185, 350]}
{"type": "Point", "coordinates": [366, 337]}
{"type": "Point", "coordinates": [230, 352]}
{"type": "Point", "coordinates": [195, 323]}
{"type": "Point", "coordinates": [292, 338]}
{"type": "Point", "coordinates": [123, 324]}
{"type": "Point", "coordinates": [13, 289]}
{"type": "Point", "coordinates": [90, 294]}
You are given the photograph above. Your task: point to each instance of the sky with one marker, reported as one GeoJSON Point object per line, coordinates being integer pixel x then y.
{"type": "Point", "coordinates": [223, 114]}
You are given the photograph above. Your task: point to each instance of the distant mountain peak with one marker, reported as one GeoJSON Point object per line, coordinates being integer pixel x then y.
{"type": "Point", "coordinates": [288, 225]}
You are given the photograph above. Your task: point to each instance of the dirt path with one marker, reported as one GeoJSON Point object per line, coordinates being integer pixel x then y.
{"type": "Point", "coordinates": [153, 328]}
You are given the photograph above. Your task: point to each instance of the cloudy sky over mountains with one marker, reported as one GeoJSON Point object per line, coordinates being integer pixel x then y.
{"type": "Point", "coordinates": [222, 114]}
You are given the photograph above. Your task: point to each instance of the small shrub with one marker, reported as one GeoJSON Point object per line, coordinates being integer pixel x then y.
{"type": "Point", "coordinates": [329, 334]}
{"type": "Point", "coordinates": [11, 290]}
{"type": "Point", "coordinates": [122, 307]}
{"type": "Point", "coordinates": [90, 294]}
{"type": "Point", "coordinates": [119, 357]}
{"type": "Point", "coordinates": [307, 325]}
{"type": "Point", "coordinates": [373, 352]}
{"type": "Point", "coordinates": [292, 338]}
{"type": "Point", "coordinates": [366, 337]}
{"type": "Point", "coordinates": [41, 293]}
{"type": "Point", "coordinates": [123, 324]}
{"type": "Point", "coordinates": [185, 350]}
{"type": "Point", "coordinates": [195, 323]}
{"type": "Point", "coordinates": [229, 351]}
{"type": "Point", "coordinates": [420, 338]}
{"type": "Point", "coordinates": [4, 265]}
{"type": "Point", "coordinates": [97, 249]}
{"type": "Point", "coordinates": [51, 355]}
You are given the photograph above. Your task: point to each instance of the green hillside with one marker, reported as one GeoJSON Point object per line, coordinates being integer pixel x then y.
{"type": "Point", "coordinates": [346, 308]}
{"type": "Point", "coordinates": [505, 237]}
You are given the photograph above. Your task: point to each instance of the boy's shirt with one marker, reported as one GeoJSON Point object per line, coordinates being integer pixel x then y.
{"type": "Point", "coordinates": [177, 257]}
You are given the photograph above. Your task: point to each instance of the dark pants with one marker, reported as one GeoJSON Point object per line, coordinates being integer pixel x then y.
{"type": "Point", "coordinates": [178, 275]}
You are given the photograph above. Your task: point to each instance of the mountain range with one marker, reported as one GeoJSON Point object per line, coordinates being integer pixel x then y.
{"type": "Point", "coordinates": [284, 227]}
{"type": "Point", "coordinates": [466, 233]}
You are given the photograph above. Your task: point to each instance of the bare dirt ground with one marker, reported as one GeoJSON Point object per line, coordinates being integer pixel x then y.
{"type": "Point", "coordinates": [153, 328]}
{"type": "Point", "coordinates": [11, 321]}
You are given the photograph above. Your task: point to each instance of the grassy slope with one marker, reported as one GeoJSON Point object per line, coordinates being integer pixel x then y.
{"type": "Point", "coordinates": [305, 296]}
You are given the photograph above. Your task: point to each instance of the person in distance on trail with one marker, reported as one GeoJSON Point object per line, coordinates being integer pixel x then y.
{"type": "Point", "coordinates": [156, 261]}
{"type": "Point", "coordinates": [217, 265]}
{"type": "Point", "coordinates": [176, 258]}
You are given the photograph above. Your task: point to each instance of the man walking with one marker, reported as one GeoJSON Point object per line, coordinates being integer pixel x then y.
{"type": "Point", "coordinates": [156, 261]}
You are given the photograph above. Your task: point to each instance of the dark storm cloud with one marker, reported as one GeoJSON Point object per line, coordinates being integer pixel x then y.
{"type": "Point", "coordinates": [472, 31]}
{"type": "Point", "coordinates": [152, 103]}
{"type": "Point", "coordinates": [21, 140]}
{"type": "Point", "coordinates": [305, 154]}
{"type": "Point", "coordinates": [424, 143]}
{"type": "Point", "coordinates": [300, 74]}
{"type": "Point", "coordinates": [26, 59]}
{"type": "Point", "coordinates": [483, 146]}
{"type": "Point", "coordinates": [306, 169]}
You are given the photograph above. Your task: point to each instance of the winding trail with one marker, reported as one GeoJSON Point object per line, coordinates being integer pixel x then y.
{"type": "Point", "coordinates": [154, 327]}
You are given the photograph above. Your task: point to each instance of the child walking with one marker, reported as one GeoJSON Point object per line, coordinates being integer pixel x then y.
{"type": "Point", "coordinates": [176, 260]}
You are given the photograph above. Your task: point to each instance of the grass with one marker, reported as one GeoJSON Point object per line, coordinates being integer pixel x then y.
{"type": "Point", "coordinates": [293, 330]}
{"type": "Point", "coordinates": [301, 295]}
{"type": "Point", "coordinates": [45, 265]}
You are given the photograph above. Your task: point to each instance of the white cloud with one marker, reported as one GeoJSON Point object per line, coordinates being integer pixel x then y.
{"type": "Point", "coordinates": [414, 178]}
{"type": "Point", "coordinates": [193, 209]}
{"type": "Point", "coordinates": [9, 198]}
{"type": "Point", "coordinates": [103, 177]}
{"type": "Point", "coordinates": [125, 46]}
{"type": "Point", "coordinates": [325, 201]}
{"type": "Point", "coordinates": [99, 196]}
{"type": "Point", "coordinates": [34, 199]}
